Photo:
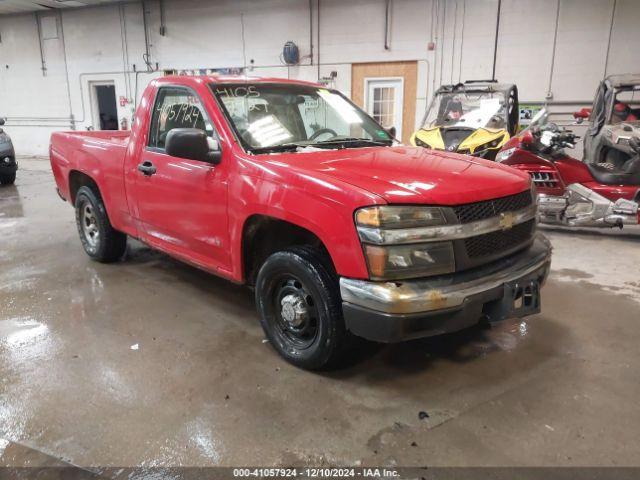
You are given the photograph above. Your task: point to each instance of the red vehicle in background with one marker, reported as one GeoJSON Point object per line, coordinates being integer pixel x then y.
{"type": "Point", "coordinates": [571, 192]}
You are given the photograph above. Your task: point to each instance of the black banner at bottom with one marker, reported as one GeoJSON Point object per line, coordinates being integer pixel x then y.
{"type": "Point", "coordinates": [419, 473]}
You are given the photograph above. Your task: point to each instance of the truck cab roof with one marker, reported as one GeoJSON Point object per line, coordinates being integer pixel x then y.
{"type": "Point", "coordinates": [222, 79]}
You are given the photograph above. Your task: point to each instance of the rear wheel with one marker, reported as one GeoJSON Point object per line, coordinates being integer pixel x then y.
{"type": "Point", "coordinates": [7, 178]}
{"type": "Point", "coordinates": [300, 309]}
{"type": "Point", "coordinates": [99, 239]}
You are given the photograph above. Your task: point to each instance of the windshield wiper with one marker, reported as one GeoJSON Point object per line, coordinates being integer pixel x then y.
{"type": "Point", "coordinates": [283, 147]}
{"type": "Point", "coordinates": [354, 141]}
{"type": "Point", "coordinates": [342, 141]}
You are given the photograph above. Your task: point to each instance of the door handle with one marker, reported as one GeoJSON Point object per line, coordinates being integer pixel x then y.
{"type": "Point", "coordinates": [147, 168]}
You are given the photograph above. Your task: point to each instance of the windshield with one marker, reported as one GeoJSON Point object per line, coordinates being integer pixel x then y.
{"type": "Point", "coordinates": [272, 117]}
{"type": "Point", "coordinates": [467, 109]}
{"type": "Point", "coordinates": [540, 120]}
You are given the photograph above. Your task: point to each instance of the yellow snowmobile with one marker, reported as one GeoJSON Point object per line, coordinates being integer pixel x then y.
{"type": "Point", "coordinates": [474, 118]}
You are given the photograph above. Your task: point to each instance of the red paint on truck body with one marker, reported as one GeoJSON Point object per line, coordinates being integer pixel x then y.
{"type": "Point", "coordinates": [196, 211]}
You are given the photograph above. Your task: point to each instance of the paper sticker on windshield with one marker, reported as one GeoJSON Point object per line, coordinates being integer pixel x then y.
{"type": "Point", "coordinates": [382, 134]}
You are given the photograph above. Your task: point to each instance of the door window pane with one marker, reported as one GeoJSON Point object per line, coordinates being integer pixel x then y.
{"type": "Point", "coordinates": [176, 108]}
{"type": "Point", "coordinates": [384, 105]}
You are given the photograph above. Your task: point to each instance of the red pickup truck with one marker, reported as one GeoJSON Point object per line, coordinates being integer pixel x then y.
{"type": "Point", "coordinates": [290, 188]}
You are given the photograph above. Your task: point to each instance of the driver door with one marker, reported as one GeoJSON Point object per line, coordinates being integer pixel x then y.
{"type": "Point", "coordinates": [182, 205]}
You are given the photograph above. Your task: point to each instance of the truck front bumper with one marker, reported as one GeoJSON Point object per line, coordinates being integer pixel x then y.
{"type": "Point", "coordinates": [396, 311]}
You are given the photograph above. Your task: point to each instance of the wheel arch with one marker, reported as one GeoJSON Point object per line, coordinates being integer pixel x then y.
{"type": "Point", "coordinates": [78, 179]}
{"type": "Point", "coordinates": [263, 235]}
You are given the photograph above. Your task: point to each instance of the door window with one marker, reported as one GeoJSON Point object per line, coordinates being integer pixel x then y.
{"type": "Point", "coordinates": [176, 108]}
{"type": "Point", "coordinates": [384, 102]}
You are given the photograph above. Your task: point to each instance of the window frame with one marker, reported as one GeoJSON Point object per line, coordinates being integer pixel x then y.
{"type": "Point", "coordinates": [401, 79]}
{"type": "Point", "coordinates": [189, 90]}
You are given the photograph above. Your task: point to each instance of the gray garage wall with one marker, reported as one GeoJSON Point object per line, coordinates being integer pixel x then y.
{"type": "Point", "coordinates": [555, 50]}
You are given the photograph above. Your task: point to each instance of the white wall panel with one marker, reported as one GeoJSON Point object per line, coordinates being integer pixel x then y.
{"type": "Point", "coordinates": [202, 34]}
{"type": "Point", "coordinates": [583, 34]}
{"type": "Point", "coordinates": [624, 54]}
{"type": "Point", "coordinates": [478, 37]}
{"type": "Point", "coordinates": [525, 45]}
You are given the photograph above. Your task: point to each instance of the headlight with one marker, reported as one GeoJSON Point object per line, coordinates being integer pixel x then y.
{"type": "Point", "coordinates": [488, 145]}
{"type": "Point", "coordinates": [505, 154]}
{"type": "Point", "coordinates": [409, 261]}
{"type": "Point", "coordinates": [399, 217]}
{"type": "Point", "coordinates": [390, 241]}
{"type": "Point", "coordinates": [420, 143]}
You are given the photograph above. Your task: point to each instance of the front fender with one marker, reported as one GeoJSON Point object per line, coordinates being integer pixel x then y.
{"type": "Point", "coordinates": [328, 218]}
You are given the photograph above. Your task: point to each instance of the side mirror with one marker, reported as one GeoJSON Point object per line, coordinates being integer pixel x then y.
{"type": "Point", "coordinates": [392, 131]}
{"type": "Point", "coordinates": [2, 121]}
{"type": "Point", "coordinates": [582, 114]}
{"type": "Point", "coordinates": [193, 144]}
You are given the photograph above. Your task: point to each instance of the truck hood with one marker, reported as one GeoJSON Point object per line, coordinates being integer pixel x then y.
{"type": "Point", "coordinates": [409, 174]}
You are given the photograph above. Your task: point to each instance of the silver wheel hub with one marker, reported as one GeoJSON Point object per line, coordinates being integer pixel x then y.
{"type": "Point", "coordinates": [294, 310]}
{"type": "Point", "coordinates": [90, 225]}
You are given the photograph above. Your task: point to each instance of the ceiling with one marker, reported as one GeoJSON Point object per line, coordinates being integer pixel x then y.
{"type": "Point", "coordinates": [21, 6]}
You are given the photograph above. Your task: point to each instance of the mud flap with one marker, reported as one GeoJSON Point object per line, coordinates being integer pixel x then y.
{"type": "Point", "coordinates": [520, 298]}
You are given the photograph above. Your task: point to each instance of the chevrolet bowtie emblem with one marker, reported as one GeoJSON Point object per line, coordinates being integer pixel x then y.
{"type": "Point", "coordinates": [507, 219]}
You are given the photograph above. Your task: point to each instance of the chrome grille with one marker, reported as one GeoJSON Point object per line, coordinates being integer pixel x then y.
{"type": "Point", "coordinates": [472, 212]}
{"type": "Point", "coordinates": [501, 240]}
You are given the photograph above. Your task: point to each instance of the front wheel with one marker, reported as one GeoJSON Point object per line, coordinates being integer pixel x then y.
{"type": "Point", "coordinates": [300, 309]}
{"type": "Point", "coordinates": [99, 239]}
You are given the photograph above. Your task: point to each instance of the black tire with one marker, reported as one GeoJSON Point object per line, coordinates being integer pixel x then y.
{"type": "Point", "coordinates": [8, 178]}
{"type": "Point", "coordinates": [302, 273]}
{"type": "Point", "coordinates": [99, 239]}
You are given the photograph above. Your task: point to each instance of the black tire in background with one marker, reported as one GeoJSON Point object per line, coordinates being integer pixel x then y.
{"type": "Point", "coordinates": [299, 280]}
{"type": "Point", "coordinates": [8, 178]}
{"type": "Point", "coordinates": [99, 239]}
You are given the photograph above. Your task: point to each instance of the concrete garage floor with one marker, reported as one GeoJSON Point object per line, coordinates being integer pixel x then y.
{"type": "Point", "coordinates": [150, 362]}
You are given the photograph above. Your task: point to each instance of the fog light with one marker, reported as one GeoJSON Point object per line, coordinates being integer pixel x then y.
{"type": "Point", "coordinates": [7, 160]}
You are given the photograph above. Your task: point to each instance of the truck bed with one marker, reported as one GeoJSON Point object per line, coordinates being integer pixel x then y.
{"type": "Point", "coordinates": [111, 136]}
{"type": "Point", "coordinates": [99, 155]}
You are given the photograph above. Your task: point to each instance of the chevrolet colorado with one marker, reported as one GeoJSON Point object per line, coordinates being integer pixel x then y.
{"type": "Point", "coordinates": [290, 188]}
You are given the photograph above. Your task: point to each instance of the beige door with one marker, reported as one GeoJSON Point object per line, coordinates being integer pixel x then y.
{"type": "Point", "coordinates": [387, 91]}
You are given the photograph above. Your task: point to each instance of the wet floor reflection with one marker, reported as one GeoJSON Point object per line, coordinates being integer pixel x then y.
{"type": "Point", "coordinates": [462, 347]}
{"type": "Point", "coordinates": [202, 388]}
{"type": "Point", "coordinates": [10, 203]}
